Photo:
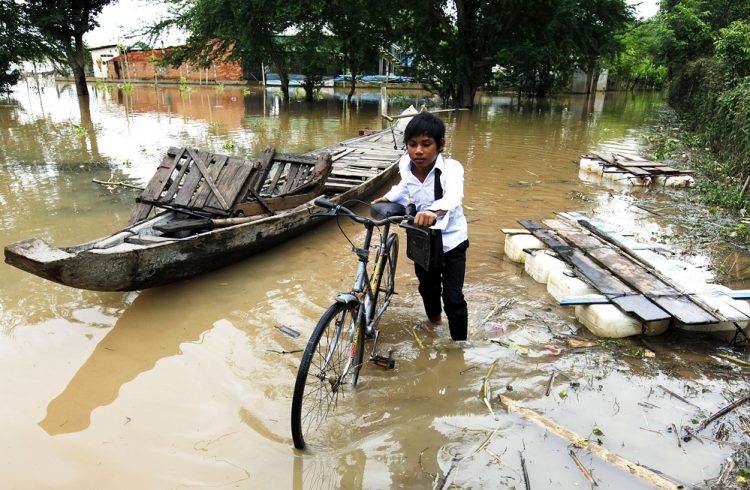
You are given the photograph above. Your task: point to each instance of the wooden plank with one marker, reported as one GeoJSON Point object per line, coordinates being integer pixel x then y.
{"type": "Point", "coordinates": [621, 294]}
{"type": "Point", "coordinates": [288, 157]}
{"type": "Point", "coordinates": [156, 185]}
{"type": "Point", "coordinates": [641, 164]}
{"type": "Point", "coordinates": [716, 303]}
{"type": "Point", "coordinates": [280, 167]}
{"type": "Point", "coordinates": [291, 177]}
{"type": "Point", "coordinates": [188, 188]}
{"type": "Point", "coordinates": [636, 276]}
{"type": "Point", "coordinates": [204, 189]}
{"type": "Point", "coordinates": [231, 180]}
{"type": "Point", "coordinates": [207, 177]}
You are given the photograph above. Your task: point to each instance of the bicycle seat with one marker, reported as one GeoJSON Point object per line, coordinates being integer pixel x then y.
{"type": "Point", "coordinates": [387, 209]}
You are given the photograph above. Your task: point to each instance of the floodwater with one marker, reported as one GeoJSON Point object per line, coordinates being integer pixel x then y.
{"type": "Point", "coordinates": [186, 385]}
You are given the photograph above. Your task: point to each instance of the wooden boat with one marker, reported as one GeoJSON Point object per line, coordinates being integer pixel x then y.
{"type": "Point", "coordinates": [242, 208]}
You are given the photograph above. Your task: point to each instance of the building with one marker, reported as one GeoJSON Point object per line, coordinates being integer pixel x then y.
{"type": "Point", "coordinates": [99, 56]}
{"type": "Point", "coordinates": [139, 65]}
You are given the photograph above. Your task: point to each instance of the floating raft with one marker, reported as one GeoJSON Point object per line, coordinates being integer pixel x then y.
{"type": "Point", "coordinates": [630, 169]}
{"type": "Point", "coordinates": [620, 287]}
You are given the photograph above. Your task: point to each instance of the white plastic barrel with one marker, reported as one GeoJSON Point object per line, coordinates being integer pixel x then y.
{"type": "Point", "coordinates": [675, 180]}
{"type": "Point", "coordinates": [540, 264]}
{"type": "Point", "coordinates": [516, 243]}
{"type": "Point", "coordinates": [561, 284]}
{"type": "Point", "coordinates": [608, 321]}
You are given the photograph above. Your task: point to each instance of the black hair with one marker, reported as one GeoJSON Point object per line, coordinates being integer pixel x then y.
{"type": "Point", "coordinates": [428, 124]}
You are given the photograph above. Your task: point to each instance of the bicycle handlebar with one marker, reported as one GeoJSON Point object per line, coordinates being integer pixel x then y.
{"type": "Point", "coordinates": [337, 209]}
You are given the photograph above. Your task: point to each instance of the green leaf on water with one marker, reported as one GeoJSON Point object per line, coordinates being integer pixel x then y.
{"type": "Point", "coordinates": [563, 393]}
{"type": "Point", "coordinates": [597, 431]}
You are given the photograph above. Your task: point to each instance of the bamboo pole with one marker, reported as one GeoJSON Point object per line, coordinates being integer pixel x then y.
{"type": "Point", "coordinates": [604, 454]}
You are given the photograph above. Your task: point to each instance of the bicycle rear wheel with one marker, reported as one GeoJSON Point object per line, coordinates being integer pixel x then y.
{"type": "Point", "coordinates": [330, 363]}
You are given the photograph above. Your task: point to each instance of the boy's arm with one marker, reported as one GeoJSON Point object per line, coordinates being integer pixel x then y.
{"type": "Point", "coordinates": [453, 193]}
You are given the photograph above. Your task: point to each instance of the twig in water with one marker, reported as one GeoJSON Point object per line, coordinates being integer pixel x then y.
{"type": "Point", "coordinates": [734, 359]}
{"type": "Point", "coordinates": [549, 384]}
{"type": "Point", "coordinates": [638, 470]}
{"type": "Point", "coordinates": [583, 469]}
{"type": "Point", "coordinates": [489, 315]}
{"type": "Point", "coordinates": [682, 399]}
{"type": "Point", "coordinates": [652, 430]}
{"type": "Point", "coordinates": [282, 352]}
{"type": "Point", "coordinates": [486, 388]}
{"type": "Point", "coordinates": [419, 342]}
{"type": "Point", "coordinates": [677, 435]}
{"type": "Point", "coordinates": [467, 370]}
{"type": "Point", "coordinates": [722, 412]}
{"type": "Point", "coordinates": [448, 473]}
{"type": "Point", "coordinates": [524, 471]}
{"type": "Point", "coordinates": [483, 445]}
{"type": "Point", "coordinates": [494, 456]}
{"type": "Point", "coordinates": [110, 183]}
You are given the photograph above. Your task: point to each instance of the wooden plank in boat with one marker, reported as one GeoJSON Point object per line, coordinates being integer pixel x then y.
{"type": "Point", "coordinates": [635, 275]}
{"type": "Point", "coordinates": [622, 295]}
{"type": "Point", "coordinates": [339, 187]}
{"type": "Point", "coordinates": [234, 173]}
{"type": "Point", "coordinates": [156, 185]}
{"type": "Point", "coordinates": [187, 188]}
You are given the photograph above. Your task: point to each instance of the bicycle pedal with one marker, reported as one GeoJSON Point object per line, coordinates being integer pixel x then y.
{"type": "Point", "coordinates": [384, 362]}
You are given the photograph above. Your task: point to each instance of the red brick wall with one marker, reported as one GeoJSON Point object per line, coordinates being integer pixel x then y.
{"type": "Point", "coordinates": [143, 65]}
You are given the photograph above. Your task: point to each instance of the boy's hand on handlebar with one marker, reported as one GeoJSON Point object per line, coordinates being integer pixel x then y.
{"type": "Point", "coordinates": [425, 218]}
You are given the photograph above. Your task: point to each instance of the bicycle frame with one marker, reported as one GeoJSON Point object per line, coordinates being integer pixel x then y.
{"type": "Point", "coordinates": [363, 293]}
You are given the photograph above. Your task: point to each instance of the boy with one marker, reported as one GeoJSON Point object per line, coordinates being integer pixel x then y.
{"type": "Point", "coordinates": [436, 186]}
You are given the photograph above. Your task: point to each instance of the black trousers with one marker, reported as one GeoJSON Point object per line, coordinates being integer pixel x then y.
{"type": "Point", "coordinates": [447, 282]}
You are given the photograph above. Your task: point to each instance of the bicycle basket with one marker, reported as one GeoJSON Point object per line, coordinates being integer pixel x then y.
{"type": "Point", "coordinates": [424, 246]}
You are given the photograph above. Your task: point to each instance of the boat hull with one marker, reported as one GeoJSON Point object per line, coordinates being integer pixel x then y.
{"type": "Point", "coordinates": [127, 267]}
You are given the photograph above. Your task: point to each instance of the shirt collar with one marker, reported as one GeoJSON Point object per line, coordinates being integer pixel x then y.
{"type": "Point", "coordinates": [439, 162]}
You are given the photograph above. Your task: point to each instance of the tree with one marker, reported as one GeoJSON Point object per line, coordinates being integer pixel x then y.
{"type": "Point", "coordinates": [63, 23]}
{"type": "Point", "coordinates": [255, 31]}
{"type": "Point", "coordinates": [456, 44]}
{"type": "Point", "coordinates": [361, 28]}
{"type": "Point", "coordinates": [314, 52]}
{"type": "Point", "coordinates": [638, 63]}
{"type": "Point", "coordinates": [20, 41]}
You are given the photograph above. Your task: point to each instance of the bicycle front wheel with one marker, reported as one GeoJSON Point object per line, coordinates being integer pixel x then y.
{"type": "Point", "coordinates": [387, 281]}
{"type": "Point", "coordinates": [330, 364]}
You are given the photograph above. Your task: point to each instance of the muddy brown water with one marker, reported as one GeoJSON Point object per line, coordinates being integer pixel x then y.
{"type": "Point", "coordinates": [180, 387]}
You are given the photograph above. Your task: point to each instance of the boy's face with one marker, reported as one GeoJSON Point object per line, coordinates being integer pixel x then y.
{"type": "Point", "coordinates": [423, 150]}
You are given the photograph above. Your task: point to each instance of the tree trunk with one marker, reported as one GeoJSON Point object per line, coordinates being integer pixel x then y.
{"type": "Point", "coordinates": [467, 89]}
{"type": "Point", "coordinates": [284, 77]}
{"type": "Point", "coordinates": [352, 87]}
{"type": "Point", "coordinates": [76, 60]}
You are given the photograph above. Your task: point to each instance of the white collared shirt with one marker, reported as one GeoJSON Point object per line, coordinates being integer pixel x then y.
{"type": "Point", "coordinates": [422, 194]}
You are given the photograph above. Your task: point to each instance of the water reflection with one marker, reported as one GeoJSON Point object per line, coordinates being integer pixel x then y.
{"type": "Point", "coordinates": [151, 328]}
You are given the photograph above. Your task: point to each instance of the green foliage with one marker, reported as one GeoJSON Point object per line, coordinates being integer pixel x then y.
{"type": "Point", "coordinates": [456, 47]}
{"type": "Point", "coordinates": [62, 24]}
{"type": "Point", "coordinates": [684, 33]}
{"type": "Point", "coordinates": [637, 65]}
{"type": "Point", "coordinates": [733, 47]}
{"type": "Point", "coordinates": [20, 40]}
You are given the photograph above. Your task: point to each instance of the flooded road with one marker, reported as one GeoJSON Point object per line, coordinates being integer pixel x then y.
{"type": "Point", "coordinates": [184, 386]}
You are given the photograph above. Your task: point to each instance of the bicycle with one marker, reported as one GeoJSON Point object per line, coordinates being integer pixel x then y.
{"type": "Point", "coordinates": [335, 352]}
